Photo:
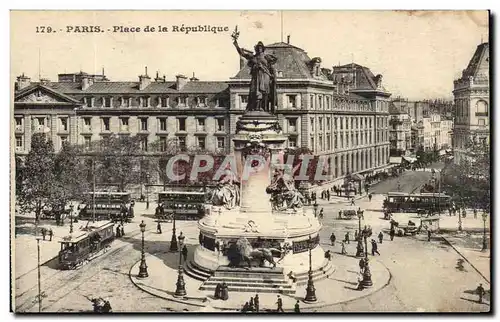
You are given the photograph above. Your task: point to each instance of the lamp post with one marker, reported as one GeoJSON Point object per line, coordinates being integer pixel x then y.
{"type": "Point", "coordinates": [359, 248]}
{"type": "Point", "coordinates": [71, 219]}
{"type": "Point", "coordinates": [459, 221]}
{"type": "Point", "coordinates": [310, 290]}
{"type": "Point", "coordinates": [367, 276]}
{"type": "Point", "coordinates": [315, 206]}
{"type": "Point", "coordinates": [181, 285]}
{"type": "Point", "coordinates": [147, 189]}
{"type": "Point", "coordinates": [485, 245]}
{"type": "Point", "coordinates": [173, 240]}
{"type": "Point", "coordinates": [39, 279]}
{"type": "Point", "coordinates": [143, 268]}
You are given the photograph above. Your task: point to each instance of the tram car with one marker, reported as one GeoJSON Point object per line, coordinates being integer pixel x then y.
{"type": "Point", "coordinates": [184, 205]}
{"type": "Point", "coordinates": [108, 206]}
{"type": "Point", "coordinates": [417, 202]}
{"type": "Point", "coordinates": [76, 251]}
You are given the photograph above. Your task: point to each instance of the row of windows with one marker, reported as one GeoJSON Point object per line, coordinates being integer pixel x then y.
{"type": "Point", "coordinates": [147, 101]}
{"type": "Point", "coordinates": [340, 141]}
{"type": "Point", "coordinates": [355, 123]}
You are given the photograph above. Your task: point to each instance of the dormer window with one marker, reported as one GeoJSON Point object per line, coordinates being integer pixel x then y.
{"type": "Point", "coordinates": [106, 101]}
{"type": "Point", "coordinates": [292, 101]}
{"type": "Point", "coordinates": [182, 101]}
{"type": "Point", "coordinates": [88, 101]}
{"type": "Point", "coordinates": [164, 101]}
{"type": "Point", "coordinates": [125, 101]}
{"type": "Point", "coordinates": [202, 101]}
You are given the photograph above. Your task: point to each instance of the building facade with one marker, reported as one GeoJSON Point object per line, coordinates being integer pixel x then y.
{"type": "Point", "coordinates": [472, 103]}
{"type": "Point", "coordinates": [400, 128]}
{"type": "Point", "coordinates": [342, 113]}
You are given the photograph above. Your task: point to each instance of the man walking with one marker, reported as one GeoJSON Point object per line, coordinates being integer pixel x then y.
{"type": "Point", "coordinates": [428, 235]}
{"type": "Point", "coordinates": [122, 230]}
{"type": "Point", "coordinates": [347, 238]}
{"type": "Point", "coordinates": [380, 237]}
{"type": "Point", "coordinates": [355, 235]}
{"type": "Point", "coordinates": [333, 238]}
{"type": "Point", "coordinates": [480, 292]}
{"type": "Point", "coordinates": [370, 197]}
{"type": "Point", "coordinates": [343, 252]}
{"type": "Point", "coordinates": [352, 202]}
{"type": "Point", "coordinates": [475, 213]}
{"type": "Point", "coordinates": [44, 232]}
{"type": "Point", "coordinates": [391, 234]}
{"type": "Point", "coordinates": [184, 252]}
{"type": "Point", "coordinates": [297, 307]}
{"type": "Point", "coordinates": [374, 247]}
{"type": "Point", "coordinates": [280, 305]}
{"type": "Point", "coordinates": [51, 233]}
{"type": "Point", "coordinates": [321, 214]}
{"type": "Point", "coordinates": [158, 227]}
{"type": "Point", "coordinates": [256, 302]}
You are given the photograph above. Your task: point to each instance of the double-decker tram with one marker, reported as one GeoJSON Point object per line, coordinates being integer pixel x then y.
{"type": "Point", "coordinates": [78, 250]}
{"type": "Point", "coordinates": [416, 202]}
{"type": "Point", "coordinates": [185, 205]}
{"type": "Point", "coordinates": [108, 206]}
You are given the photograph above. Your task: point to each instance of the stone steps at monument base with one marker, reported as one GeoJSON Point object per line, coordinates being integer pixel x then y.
{"type": "Point", "coordinates": [256, 280]}
{"type": "Point", "coordinates": [319, 274]}
{"type": "Point", "coordinates": [196, 272]}
{"type": "Point", "coordinates": [253, 289]}
{"type": "Point", "coordinates": [250, 274]}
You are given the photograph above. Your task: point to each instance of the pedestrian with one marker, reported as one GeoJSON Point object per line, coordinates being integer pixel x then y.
{"type": "Point", "coordinates": [321, 215]}
{"type": "Point", "coordinates": [343, 249]}
{"type": "Point", "coordinates": [380, 237]}
{"type": "Point", "coordinates": [218, 291]}
{"type": "Point", "coordinates": [475, 213]}
{"type": "Point", "coordinates": [118, 231]}
{"type": "Point", "coordinates": [44, 232]}
{"type": "Point", "coordinates": [333, 238]}
{"type": "Point", "coordinates": [355, 235]}
{"type": "Point", "coordinates": [246, 307]}
{"type": "Point", "coordinates": [392, 233]}
{"type": "Point", "coordinates": [480, 292]}
{"type": "Point", "coordinates": [297, 307]}
{"type": "Point", "coordinates": [328, 255]}
{"type": "Point", "coordinates": [428, 235]}
{"type": "Point", "coordinates": [362, 265]}
{"type": "Point", "coordinates": [51, 233]}
{"type": "Point", "coordinates": [347, 238]}
{"type": "Point", "coordinates": [158, 227]}
{"type": "Point", "coordinates": [340, 214]}
{"type": "Point", "coordinates": [370, 197]}
{"type": "Point", "coordinates": [122, 230]}
{"type": "Point", "coordinates": [454, 211]}
{"type": "Point", "coordinates": [464, 213]}
{"type": "Point", "coordinates": [224, 292]}
{"type": "Point", "coordinates": [352, 202]}
{"type": "Point", "coordinates": [251, 304]}
{"type": "Point", "coordinates": [374, 247]}
{"type": "Point", "coordinates": [184, 252]}
{"type": "Point", "coordinates": [328, 195]}
{"type": "Point", "coordinates": [279, 303]}
{"type": "Point", "coordinates": [449, 211]}
{"type": "Point", "coordinates": [256, 302]}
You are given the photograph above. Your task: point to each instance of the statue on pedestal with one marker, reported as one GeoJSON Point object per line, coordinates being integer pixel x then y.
{"type": "Point", "coordinates": [227, 192]}
{"type": "Point", "coordinates": [262, 96]}
{"type": "Point", "coordinates": [284, 195]}
{"type": "Point", "coordinates": [242, 252]}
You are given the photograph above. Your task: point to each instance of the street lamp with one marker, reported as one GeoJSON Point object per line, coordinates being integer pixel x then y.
{"type": "Point", "coordinates": [485, 245]}
{"type": "Point", "coordinates": [367, 276]}
{"type": "Point", "coordinates": [147, 189]}
{"type": "Point", "coordinates": [310, 290]}
{"type": "Point", "coordinates": [71, 219]}
{"type": "Point", "coordinates": [315, 206]}
{"type": "Point", "coordinates": [359, 248]}
{"type": "Point", "coordinates": [39, 279]}
{"type": "Point", "coordinates": [173, 241]}
{"type": "Point", "coordinates": [181, 285]}
{"type": "Point", "coordinates": [459, 221]}
{"type": "Point", "coordinates": [143, 268]}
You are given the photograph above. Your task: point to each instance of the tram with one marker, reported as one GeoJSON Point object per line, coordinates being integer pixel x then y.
{"type": "Point", "coordinates": [418, 202]}
{"type": "Point", "coordinates": [78, 250]}
{"type": "Point", "coordinates": [184, 205]}
{"type": "Point", "coordinates": [108, 206]}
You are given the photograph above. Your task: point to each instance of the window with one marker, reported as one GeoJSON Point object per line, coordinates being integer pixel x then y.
{"type": "Point", "coordinates": [328, 128]}
{"type": "Point", "coordinates": [320, 102]}
{"type": "Point", "coordinates": [341, 141]}
{"type": "Point", "coordinates": [312, 101]}
{"type": "Point", "coordinates": [202, 101]}
{"type": "Point", "coordinates": [64, 124]}
{"type": "Point", "coordinates": [292, 142]}
{"type": "Point", "coordinates": [86, 122]}
{"type": "Point", "coordinates": [164, 101]}
{"type": "Point", "coordinates": [64, 140]}
{"type": "Point", "coordinates": [145, 101]}
{"type": "Point", "coordinates": [19, 142]}
{"type": "Point", "coordinates": [182, 101]}
{"type": "Point", "coordinates": [312, 124]}
{"type": "Point", "coordinates": [144, 124]}
{"type": "Point", "coordinates": [105, 123]}
{"type": "Point", "coordinates": [220, 125]}
{"type": "Point", "coordinates": [163, 124]}
{"type": "Point", "coordinates": [144, 143]}
{"type": "Point", "coordinates": [163, 143]}
{"type": "Point", "coordinates": [357, 139]}
{"type": "Point", "coordinates": [106, 101]}
{"type": "Point", "coordinates": [327, 102]}
{"type": "Point", "coordinates": [41, 121]}
{"type": "Point", "coordinates": [19, 123]}
{"type": "Point", "coordinates": [221, 143]}
{"type": "Point", "coordinates": [312, 147]}
{"type": "Point", "coordinates": [87, 141]}
{"type": "Point", "coordinates": [335, 145]}
{"type": "Point", "coordinates": [320, 143]}
{"type": "Point", "coordinates": [243, 101]}
{"type": "Point", "coordinates": [481, 122]}
{"type": "Point", "coordinates": [201, 142]}
{"type": "Point", "coordinates": [200, 127]}
{"type": "Point", "coordinates": [335, 125]}
{"type": "Point", "coordinates": [292, 101]}
{"type": "Point", "coordinates": [88, 101]}
{"type": "Point", "coordinates": [320, 124]}
{"type": "Point", "coordinates": [181, 124]}
{"type": "Point", "coordinates": [292, 125]}
{"type": "Point", "coordinates": [125, 101]}
{"type": "Point", "coordinates": [124, 124]}
{"type": "Point", "coordinates": [328, 142]}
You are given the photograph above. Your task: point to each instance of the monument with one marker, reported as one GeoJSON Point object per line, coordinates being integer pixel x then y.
{"type": "Point", "coordinates": [258, 237]}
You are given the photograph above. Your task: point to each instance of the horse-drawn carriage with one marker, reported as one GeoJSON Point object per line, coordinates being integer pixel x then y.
{"type": "Point", "coordinates": [349, 212]}
{"type": "Point", "coordinates": [410, 229]}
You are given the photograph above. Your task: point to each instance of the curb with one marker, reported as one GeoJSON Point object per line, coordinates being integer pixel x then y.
{"type": "Point", "coordinates": [172, 299]}
{"type": "Point", "coordinates": [465, 258]}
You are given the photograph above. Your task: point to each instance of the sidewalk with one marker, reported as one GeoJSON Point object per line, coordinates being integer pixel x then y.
{"type": "Point", "coordinates": [26, 257]}
{"type": "Point", "coordinates": [340, 287]}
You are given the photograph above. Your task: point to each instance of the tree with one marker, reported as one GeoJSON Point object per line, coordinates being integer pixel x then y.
{"type": "Point", "coordinates": [36, 189]}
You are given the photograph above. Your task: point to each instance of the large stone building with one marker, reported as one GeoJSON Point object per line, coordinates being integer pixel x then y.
{"type": "Point", "coordinates": [342, 113]}
{"type": "Point", "coordinates": [400, 128]}
{"type": "Point", "coordinates": [472, 102]}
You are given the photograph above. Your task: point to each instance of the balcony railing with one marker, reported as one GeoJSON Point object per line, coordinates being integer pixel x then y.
{"type": "Point", "coordinates": [481, 113]}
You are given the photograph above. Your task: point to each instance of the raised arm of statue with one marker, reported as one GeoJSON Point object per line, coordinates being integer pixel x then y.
{"type": "Point", "coordinates": [242, 52]}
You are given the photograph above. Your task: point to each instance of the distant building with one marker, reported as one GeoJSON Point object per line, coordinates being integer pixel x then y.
{"type": "Point", "coordinates": [400, 128]}
{"type": "Point", "coordinates": [472, 102]}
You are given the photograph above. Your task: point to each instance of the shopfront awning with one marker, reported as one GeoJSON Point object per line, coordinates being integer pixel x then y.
{"type": "Point", "coordinates": [395, 160]}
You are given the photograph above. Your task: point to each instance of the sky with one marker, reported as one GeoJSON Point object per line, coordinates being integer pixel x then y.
{"type": "Point", "coordinates": [419, 53]}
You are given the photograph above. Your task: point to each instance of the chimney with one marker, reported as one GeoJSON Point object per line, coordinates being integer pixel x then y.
{"type": "Point", "coordinates": [180, 82]}
{"type": "Point", "coordinates": [44, 81]}
{"type": "Point", "coordinates": [288, 39]}
{"type": "Point", "coordinates": [87, 82]}
{"type": "Point", "coordinates": [144, 80]}
{"type": "Point", "coordinates": [22, 82]}
{"type": "Point", "coordinates": [193, 79]}
{"type": "Point", "coordinates": [159, 79]}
